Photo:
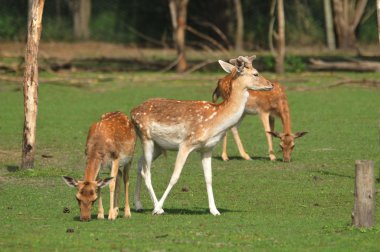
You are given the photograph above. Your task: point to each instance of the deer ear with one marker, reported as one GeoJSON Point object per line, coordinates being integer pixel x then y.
{"type": "Point", "coordinates": [300, 134]}
{"type": "Point", "coordinates": [103, 182]}
{"type": "Point", "coordinates": [274, 133]}
{"type": "Point", "coordinates": [252, 58]}
{"type": "Point", "coordinates": [226, 66]}
{"type": "Point", "coordinates": [70, 181]}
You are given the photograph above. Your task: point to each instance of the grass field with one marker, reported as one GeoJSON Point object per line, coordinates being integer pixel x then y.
{"type": "Point", "coordinates": [304, 205]}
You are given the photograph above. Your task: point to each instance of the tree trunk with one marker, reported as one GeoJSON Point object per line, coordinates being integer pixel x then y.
{"type": "Point", "coordinates": [178, 11]}
{"type": "Point", "coordinates": [30, 5]}
{"type": "Point", "coordinates": [378, 18]}
{"type": "Point", "coordinates": [280, 58]}
{"type": "Point", "coordinates": [239, 26]}
{"type": "Point", "coordinates": [347, 17]}
{"type": "Point", "coordinates": [329, 25]}
{"type": "Point", "coordinates": [31, 84]}
{"type": "Point", "coordinates": [81, 10]}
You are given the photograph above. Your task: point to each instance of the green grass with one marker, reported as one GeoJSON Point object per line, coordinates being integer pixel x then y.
{"type": "Point", "coordinates": [297, 206]}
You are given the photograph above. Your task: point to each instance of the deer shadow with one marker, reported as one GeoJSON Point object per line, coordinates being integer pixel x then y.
{"type": "Point", "coordinates": [12, 168]}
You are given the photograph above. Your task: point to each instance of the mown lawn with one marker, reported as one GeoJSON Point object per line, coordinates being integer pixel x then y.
{"type": "Point", "coordinates": [297, 206]}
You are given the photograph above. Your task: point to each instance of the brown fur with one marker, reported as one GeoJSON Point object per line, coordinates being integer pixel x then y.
{"type": "Point", "coordinates": [165, 124]}
{"type": "Point", "coordinates": [268, 105]}
{"type": "Point", "coordinates": [112, 139]}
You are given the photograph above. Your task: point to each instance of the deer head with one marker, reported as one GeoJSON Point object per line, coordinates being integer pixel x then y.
{"type": "Point", "coordinates": [287, 142]}
{"type": "Point", "coordinates": [246, 73]}
{"type": "Point", "coordinates": [86, 194]}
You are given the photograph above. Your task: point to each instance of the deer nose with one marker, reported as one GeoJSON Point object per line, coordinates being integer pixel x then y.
{"type": "Point", "coordinates": [85, 218]}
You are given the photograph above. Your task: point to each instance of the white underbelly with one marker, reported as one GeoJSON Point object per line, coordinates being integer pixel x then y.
{"type": "Point", "coordinates": [211, 142]}
{"type": "Point", "coordinates": [123, 160]}
{"type": "Point", "coordinates": [168, 136]}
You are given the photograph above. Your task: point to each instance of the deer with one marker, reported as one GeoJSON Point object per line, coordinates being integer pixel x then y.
{"type": "Point", "coordinates": [187, 126]}
{"type": "Point", "coordinates": [110, 142]}
{"type": "Point", "coordinates": [267, 105]}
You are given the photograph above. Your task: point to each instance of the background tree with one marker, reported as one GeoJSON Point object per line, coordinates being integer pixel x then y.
{"type": "Point", "coordinates": [178, 11]}
{"type": "Point", "coordinates": [239, 35]}
{"type": "Point", "coordinates": [347, 16]}
{"type": "Point", "coordinates": [330, 36]}
{"type": "Point", "coordinates": [279, 35]}
{"type": "Point", "coordinates": [81, 11]}
{"type": "Point", "coordinates": [378, 18]}
{"type": "Point", "coordinates": [31, 84]}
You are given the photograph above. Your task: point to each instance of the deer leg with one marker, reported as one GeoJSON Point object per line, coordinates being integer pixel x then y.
{"type": "Point", "coordinates": [239, 144]}
{"type": "Point", "coordinates": [141, 173]}
{"type": "Point", "coordinates": [265, 119]}
{"type": "Point", "coordinates": [149, 156]}
{"type": "Point", "coordinates": [224, 152]}
{"type": "Point", "coordinates": [182, 155]}
{"type": "Point", "coordinates": [207, 170]}
{"type": "Point", "coordinates": [100, 205]}
{"type": "Point", "coordinates": [112, 214]}
{"type": "Point", "coordinates": [117, 191]}
{"type": "Point", "coordinates": [127, 210]}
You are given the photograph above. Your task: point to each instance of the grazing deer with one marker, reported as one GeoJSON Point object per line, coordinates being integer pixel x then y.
{"type": "Point", "coordinates": [112, 139]}
{"type": "Point", "coordinates": [267, 105]}
{"type": "Point", "coordinates": [164, 124]}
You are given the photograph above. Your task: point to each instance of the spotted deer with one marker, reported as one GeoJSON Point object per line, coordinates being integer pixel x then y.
{"type": "Point", "coordinates": [109, 141]}
{"type": "Point", "coordinates": [165, 124]}
{"type": "Point", "coordinates": [267, 105]}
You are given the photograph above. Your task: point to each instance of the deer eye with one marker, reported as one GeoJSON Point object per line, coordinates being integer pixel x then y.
{"type": "Point", "coordinates": [256, 74]}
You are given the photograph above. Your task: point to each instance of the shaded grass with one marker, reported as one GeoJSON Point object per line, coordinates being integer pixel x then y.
{"type": "Point", "coordinates": [302, 205]}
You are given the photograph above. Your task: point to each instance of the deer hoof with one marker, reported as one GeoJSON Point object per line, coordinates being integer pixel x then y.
{"type": "Point", "coordinates": [225, 157]}
{"type": "Point", "coordinates": [100, 216]}
{"type": "Point", "coordinates": [127, 212]}
{"type": "Point", "coordinates": [214, 212]}
{"type": "Point", "coordinates": [272, 157]}
{"type": "Point", "coordinates": [112, 214]}
{"type": "Point", "coordinates": [246, 157]}
{"type": "Point", "coordinates": [158, 211]}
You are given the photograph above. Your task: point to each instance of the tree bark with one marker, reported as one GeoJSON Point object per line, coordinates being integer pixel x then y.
{"type": "Point", "coordinates": [31, 84]}
{"type": "Point", "coordinates": [347, 17]}
{"type": "Point", "coordinates": [378, 18]}
{"type": "Point", "coordinates": [330, 37]}
{"type": "Point", "coordinates": [178, 11]}
{"type": "Point", "coordinates": [364, 208]}
{"type": "Point", "coordinates": [280, 58]}
{"type": "Point", "coordinates": [239, 26]}
{"type": "Point", "coordinates": [81, 10]}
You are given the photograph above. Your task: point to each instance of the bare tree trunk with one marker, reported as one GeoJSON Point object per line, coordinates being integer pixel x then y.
{"type": "Point", "coordinates": [239, 26]}
{"type": "Point", "coordinates": [347, 17]}
{"type": "Point", "coordinates": [378, 18]}
{"type": "Point", "coordinates": [30, 5]}
{"type": "Point", "coordinates": [329, 25]}
{"type": "Point", "coordinates": [31, 84]}
{"type": "Point", "coordinates": [271, 32]}
{"type": "Point", "coordinates": [281, 38]}
{"type": "Point", "coordinates": [81, 10]}
{"type": "Point", "coordinates": [178, 11]}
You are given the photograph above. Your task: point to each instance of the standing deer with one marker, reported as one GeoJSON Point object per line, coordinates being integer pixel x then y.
{"type": "Point", "coordinates": [267, 105]}
{"type": "Point", "coordinates": [164, 124]}
{"type": "Point", "coordinates": [111, 140]}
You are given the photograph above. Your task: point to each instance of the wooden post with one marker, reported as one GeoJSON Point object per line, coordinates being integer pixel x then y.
{"type": "Point", "coordinates": [31, 84]}
{"type": "Point", "coordinates": [364, 208]}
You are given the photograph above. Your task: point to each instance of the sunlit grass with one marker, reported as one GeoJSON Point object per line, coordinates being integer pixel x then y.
{"type": "Point", "coordinates": [302, 205]}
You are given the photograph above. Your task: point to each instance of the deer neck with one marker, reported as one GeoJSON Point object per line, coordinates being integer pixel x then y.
{"type": "Point", "coordinates": [92, 168]}
{"type": "Point", "coordinates": [231, 110]}
{"type": "Point", "coordinates": [285, 117]}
